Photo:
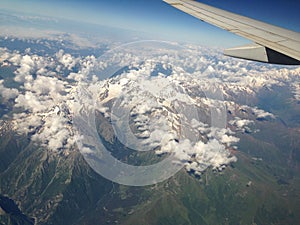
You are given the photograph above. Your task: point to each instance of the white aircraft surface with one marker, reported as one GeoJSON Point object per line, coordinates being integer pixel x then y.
{"type": "Point", "coordinates": [272, 44]}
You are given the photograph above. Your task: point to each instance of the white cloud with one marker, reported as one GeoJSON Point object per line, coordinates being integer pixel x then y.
{"type": "Point", "coordinates": [261, 114]}
{"type": "Point", "coordinates": [169, 113]}
{"type": "Point", "coordinates": [296, 91]}
{"type": "Point", "coordinates": [241, 124]}
{"type": "Point", "coordinates": [4, 55]}
{"type": "Point", "coordinates": [25, 70]}
{"type": "Point", "coordinates": [35, 34]}
{"type": "Point", "coordinates": [7, 93]}
{"type": "Point", "coordinates": [66, 59]}
{"type": "Point", "coordinates": [15, 59]}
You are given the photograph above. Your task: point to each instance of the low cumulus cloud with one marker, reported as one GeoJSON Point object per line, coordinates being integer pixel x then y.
{"type": "Point", "coordinates": [296, 91]}
{"type": "Point", "coordinates": [8, 93]}
{"type": "Point", "coordinates": [241, 124]}
{"type": "Point", "coordinates": [167, 113]}
{"type": "Point", "coordinates": [261, 114]}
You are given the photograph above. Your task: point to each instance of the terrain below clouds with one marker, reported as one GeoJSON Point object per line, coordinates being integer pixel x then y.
{"type": "Point", "coordinates": [171, 103]}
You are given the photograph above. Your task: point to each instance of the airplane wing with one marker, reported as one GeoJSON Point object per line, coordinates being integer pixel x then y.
{"type": "Point", "coordinates": [272, 44]}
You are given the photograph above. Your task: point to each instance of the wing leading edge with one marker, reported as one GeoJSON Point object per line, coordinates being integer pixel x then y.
{"type": "Point", "coordinates": [272, 44]}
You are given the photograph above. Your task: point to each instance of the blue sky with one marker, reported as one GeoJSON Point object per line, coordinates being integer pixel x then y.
{"type": "Point", "coordinates": [161, 20]}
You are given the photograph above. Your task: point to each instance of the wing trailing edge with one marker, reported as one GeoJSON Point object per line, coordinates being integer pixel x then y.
{"type": "Point", "coordinates": [260, 53]}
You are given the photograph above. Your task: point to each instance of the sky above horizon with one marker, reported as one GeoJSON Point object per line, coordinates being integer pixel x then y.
{"type": "Point", "coordinates": [158, 18]}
